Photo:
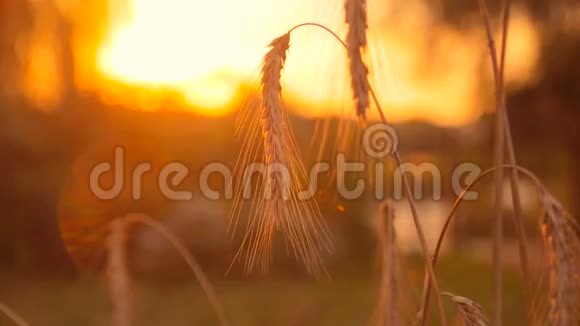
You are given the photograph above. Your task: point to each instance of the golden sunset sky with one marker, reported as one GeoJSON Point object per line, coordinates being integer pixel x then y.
{"type": "Point", "coordinates": [421, 67]}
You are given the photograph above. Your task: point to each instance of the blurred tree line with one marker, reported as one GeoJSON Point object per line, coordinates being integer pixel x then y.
{"type": "Point", "coordinates": [38, 147]}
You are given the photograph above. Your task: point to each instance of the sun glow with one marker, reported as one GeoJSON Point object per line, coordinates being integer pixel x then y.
{"type": "Point", "coordinates": [207, 50]}
{"type": "Point", "coordinates": [174, 45]}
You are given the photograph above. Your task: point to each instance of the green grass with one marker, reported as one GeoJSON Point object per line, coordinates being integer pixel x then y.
{"type": "Point", "coordinates": [347, 299]}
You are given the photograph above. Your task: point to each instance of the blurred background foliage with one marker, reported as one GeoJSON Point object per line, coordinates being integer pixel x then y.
{"type": "Point", "coordinates": [56, 122]}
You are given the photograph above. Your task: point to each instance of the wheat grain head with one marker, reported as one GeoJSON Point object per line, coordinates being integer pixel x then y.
{"type": "Point", "coordinates": [278, 205]}
{"type": "Point", "coordinates": [560, 233]}
{"type": "Point", "coordinates": [470, 311]}
{"type": "Point", "coordinates": [356, 40]}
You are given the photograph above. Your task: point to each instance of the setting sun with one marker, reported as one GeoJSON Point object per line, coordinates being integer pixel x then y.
{"type": "Point", "coordinates": [289, 162]}
{"type": "Point", "coordinates": [207, 53]}
{"type": "Point", "coordinates": [173, 45]}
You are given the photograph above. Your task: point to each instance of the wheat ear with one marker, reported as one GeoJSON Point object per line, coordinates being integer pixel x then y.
{"type": "Point", "coordinates": [118, 277]}
{"type": "Point", "coordinates": [389, 309]}
{"type": "Point", "coordinates": [356, 40]}
{"type": "Point", "coordinates": [279, 206]}
{"type": "Point", "coordinates": [560, 233]}
{"type": "Point", "coordinates": [563, 246]}
{"type": "Point", "coordinates": [470, 312]}
{"type": "Point", "coordinates": [314, 222]}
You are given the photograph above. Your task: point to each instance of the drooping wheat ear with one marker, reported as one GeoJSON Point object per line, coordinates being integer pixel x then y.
{"type": "Point", "coordinates": [388, 311]}
{"type": "Point", "coordinates": [279, 204]}
{"type": "Point", "coordinates": [12, 315]}
{"type": "Point", "coordinates": [560, 233]}
{"type": "Point", "coordinates": [118, 277]}
{"type": "Point", "coordinates": [356, 40]}
{"type": "Point", "coordinates": [470, 311]}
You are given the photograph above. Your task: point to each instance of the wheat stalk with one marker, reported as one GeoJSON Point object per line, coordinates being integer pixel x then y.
{"type": "Point", "coordinates": [117, 271]}
{"type": "Point", "coordinates": [190, 260]}
{"type": "Point", "coordinates": [560, 232]}
{"type": "Point", "coordinates": [498, 157]}
{"type": "Point", "coordinates": [315, 226]}
{"type": "Point", "coordinates": [279, 206]}
{"type": "Point", "coordinates": [563, 244]}
{"type": "Point", "coordinates": [389, 305]}
{"type": "Point", "coordinates": [356, 19]}
{"type": "Point", "coordinates": [356, 40]}
{"type": "Point", "coordinates": [471, 312]}
{"type": "Point", "coordinates": [118, 276]}
{"type": "Point", "coordinates": [503, 137]}
{"type": "Point", "coordinates": [12, 315]}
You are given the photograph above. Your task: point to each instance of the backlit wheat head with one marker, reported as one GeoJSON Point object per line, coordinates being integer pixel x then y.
{"type": "Point", "coordinates": [470, 312]}
{"type": "Point", "coordinates": [560, 234]}
{"type": "Point", "coordinates": [356, 41]}
{"type": "Point", "coordinates": [277, 206]}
